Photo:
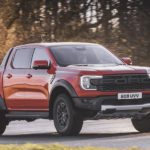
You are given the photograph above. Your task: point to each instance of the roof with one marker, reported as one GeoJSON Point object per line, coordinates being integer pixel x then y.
{"type": "Point", "coordinates": [57, 44]}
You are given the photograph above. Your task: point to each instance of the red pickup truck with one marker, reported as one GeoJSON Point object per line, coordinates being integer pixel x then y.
{"type": "Point", "coordinates": [70, 83]}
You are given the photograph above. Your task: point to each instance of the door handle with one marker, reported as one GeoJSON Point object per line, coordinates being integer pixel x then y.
{"type": "Point", "coordinates": [29, 76]}
{"type": "Point", "coordinates": [9, 76]}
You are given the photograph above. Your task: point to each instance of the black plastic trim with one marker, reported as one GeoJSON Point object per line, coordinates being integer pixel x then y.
{"type": "Point", "coordinates": [95, 103]}
{"type": "Point", "coordinates": [2, 104]}
{"type": "Point", "coordinates": [23, 115]}
{"type": "Point", "coordinates": [65, 84]}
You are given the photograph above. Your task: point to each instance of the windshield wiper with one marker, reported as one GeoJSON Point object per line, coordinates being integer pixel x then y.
{"type": "Point", "coordinates": [78, 65]}
{"type": "Point", "coordinates": [119, 64]}
{"type": "Point", "coordinates": [96, 64]}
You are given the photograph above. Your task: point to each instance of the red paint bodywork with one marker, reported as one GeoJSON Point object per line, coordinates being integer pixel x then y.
{"type": "Point", "coordinates": [30, 89]}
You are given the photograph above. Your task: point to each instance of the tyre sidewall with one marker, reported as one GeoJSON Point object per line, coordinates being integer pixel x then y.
{"type": "Point", "coordinates": [142, 125]}
{"type": "Point", "coordinates": [3, 124]}
{"type": "Point", "coordinates": [71, 113]}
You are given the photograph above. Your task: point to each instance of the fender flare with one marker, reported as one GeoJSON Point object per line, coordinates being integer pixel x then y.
{"type": "Point", "coordinates": [66, 85]}
{"type": "Point", "coordinates": [60, 84]}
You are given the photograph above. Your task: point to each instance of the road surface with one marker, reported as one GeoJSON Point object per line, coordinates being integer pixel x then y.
{"type": "Point", "coordinates": [105, 133]}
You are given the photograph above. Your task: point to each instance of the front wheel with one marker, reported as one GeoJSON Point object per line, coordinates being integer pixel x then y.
{"type": "Point", "coordinates": [142, 125]}
{"type": "Point", "coordinates": [66, 119]}
{"type": "Point", "coordinates": [3, 124]}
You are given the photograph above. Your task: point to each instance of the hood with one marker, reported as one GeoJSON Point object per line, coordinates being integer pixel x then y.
{"type": "Point", "coordinates": [106, 69]}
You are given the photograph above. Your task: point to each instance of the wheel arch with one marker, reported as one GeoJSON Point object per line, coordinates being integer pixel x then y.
{"type": "Point", "coordinates": [61, 86]}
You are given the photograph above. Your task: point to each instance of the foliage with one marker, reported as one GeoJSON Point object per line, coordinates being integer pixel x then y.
{"type": "Point", "coordinates": [121, 25]}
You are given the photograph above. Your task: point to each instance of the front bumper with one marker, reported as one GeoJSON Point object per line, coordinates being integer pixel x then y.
{"type": "Point", "coordinates": [101, 102]}
{"type": "Point", "coordinates": [110, 106]}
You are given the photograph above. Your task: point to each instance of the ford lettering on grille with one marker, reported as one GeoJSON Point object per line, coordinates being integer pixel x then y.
{"type": "Point", "coordinates": [122, 82]}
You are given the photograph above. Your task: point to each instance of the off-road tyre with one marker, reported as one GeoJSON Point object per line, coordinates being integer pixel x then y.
{"type": "Point", "coordinates": [3, 124]}
{"type": "Point", "coordinates": [142, 125]}
{"type": "Point", "coordinates": [66, 118]}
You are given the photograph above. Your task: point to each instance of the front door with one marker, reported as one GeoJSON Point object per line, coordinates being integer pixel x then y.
{"type": "Point", "coordinates": [41, 79]}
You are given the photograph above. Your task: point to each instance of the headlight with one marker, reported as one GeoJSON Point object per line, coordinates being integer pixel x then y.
{"type": "Point", "coordinates": [85, 82]}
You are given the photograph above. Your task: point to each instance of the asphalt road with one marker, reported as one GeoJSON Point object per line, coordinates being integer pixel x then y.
{"type": "Point", "coordinates": [104, 133]}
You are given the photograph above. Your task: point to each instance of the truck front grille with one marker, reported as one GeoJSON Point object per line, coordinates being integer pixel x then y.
{"type": "Point", "coordinates": [122, 82]}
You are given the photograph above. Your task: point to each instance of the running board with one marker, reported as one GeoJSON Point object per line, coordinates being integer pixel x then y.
{"type": "Point", "coordinates": [21, 115]}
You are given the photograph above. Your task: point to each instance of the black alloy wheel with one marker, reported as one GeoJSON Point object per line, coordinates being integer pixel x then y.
{"type": "Point", "coordinates": [66, 118]}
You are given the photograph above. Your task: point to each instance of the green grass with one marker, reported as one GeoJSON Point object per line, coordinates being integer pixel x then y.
{"type": "Point", "coordinates": [54, 147]}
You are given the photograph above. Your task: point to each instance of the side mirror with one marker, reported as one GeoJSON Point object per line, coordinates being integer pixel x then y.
{"type": "Point", "coordinates": [127, 60]}
{"type": "Point", "coordinates": [41, 64]}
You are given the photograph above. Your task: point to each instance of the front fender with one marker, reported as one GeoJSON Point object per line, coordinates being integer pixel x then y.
{"type": "Point", "coordinates": [65, 84]}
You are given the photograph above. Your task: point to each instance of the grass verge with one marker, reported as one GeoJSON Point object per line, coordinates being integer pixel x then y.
{"type": "Point", "coordinates": [53, 147]}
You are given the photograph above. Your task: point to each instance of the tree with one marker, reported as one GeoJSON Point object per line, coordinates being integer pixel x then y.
{"type": "Point", "coordinates": [118, 24]}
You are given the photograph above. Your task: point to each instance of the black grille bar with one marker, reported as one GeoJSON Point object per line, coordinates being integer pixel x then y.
{"type": "Point", "coordinates": [122, 82]}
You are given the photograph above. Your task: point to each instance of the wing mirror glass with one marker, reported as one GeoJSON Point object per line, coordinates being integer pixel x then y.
{"type": "Point", "coordinates": [41, 64]}
{"type": "Point", "coordinates": [127, 60]}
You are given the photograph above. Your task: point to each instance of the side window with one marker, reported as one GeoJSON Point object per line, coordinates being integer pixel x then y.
{"type": "Point", "coordinates": [22, 59]}
{"type": "Point", "coordinates": [40, 54]}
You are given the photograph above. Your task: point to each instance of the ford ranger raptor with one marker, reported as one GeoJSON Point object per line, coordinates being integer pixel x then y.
{"type": "Point", "coordinates": [70, 82]}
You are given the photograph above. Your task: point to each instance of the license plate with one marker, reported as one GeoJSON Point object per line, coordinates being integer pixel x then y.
{"type": "Point", "coordinates": [137, 95]}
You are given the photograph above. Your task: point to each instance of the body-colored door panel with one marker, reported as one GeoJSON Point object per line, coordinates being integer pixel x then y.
{"type": "Point", "coordinates": [26, 88]}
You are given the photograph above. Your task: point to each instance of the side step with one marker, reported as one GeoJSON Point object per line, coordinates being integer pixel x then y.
{"type": "Point", "coordinates": [25, 115]}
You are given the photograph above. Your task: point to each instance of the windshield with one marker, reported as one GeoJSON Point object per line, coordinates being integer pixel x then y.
{"type": "Point", "coordinates": [83, 55]}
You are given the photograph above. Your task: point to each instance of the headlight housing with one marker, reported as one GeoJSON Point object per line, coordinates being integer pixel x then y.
{"type": "Point", "coordinates": [85, 82]}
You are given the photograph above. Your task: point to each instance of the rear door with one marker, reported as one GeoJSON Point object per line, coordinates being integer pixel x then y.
{"type": "Point", "coordinates": [16, 83]}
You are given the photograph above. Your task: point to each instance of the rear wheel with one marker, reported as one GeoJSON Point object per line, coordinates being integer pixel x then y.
{"type": "Point", "coordinates": [66, 119]}
{"type": "Point", "coordinates": [142, 125]}
{"type": "Point", "coordinates": [3, 124]}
